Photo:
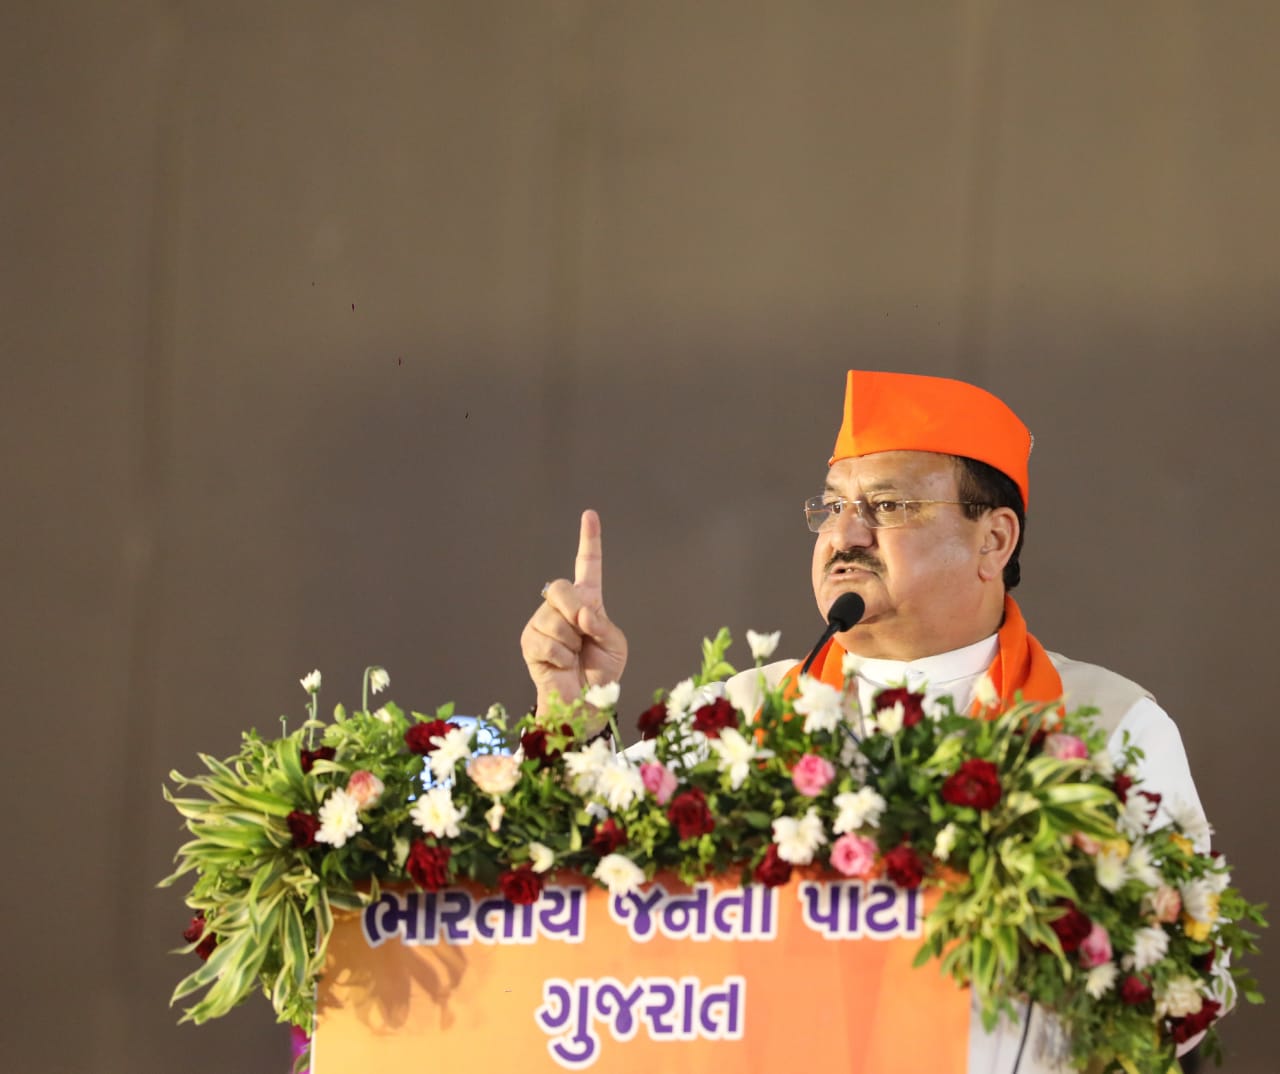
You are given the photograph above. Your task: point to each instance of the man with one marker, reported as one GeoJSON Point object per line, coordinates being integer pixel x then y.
{"type": "Point", "coordinates": [922, 515]}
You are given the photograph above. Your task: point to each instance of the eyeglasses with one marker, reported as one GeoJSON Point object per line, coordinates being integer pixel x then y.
{"type": "Point", "coordinates": [823, 511]}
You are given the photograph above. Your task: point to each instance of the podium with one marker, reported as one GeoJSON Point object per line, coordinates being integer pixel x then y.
{"type": "Point", "coordinates": [712, 977]}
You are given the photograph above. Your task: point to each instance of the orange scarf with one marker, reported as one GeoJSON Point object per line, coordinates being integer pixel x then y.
{"type": "Point", "coordinates": [1021, 663]}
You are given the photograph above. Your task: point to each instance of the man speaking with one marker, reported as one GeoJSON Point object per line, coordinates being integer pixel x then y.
{"type": "Point", "coordinates": [921, 515]}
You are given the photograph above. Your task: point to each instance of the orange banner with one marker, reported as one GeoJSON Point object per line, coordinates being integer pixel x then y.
{"type": "Point", "coordinates": [706, 979]}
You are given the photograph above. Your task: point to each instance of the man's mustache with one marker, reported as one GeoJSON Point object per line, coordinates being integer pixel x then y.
{"type": "Point", "coordinates": [856, 557]}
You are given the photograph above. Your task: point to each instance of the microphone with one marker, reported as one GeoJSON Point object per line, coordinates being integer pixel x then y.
{"type": "Point", "coordinates": [844, 614]}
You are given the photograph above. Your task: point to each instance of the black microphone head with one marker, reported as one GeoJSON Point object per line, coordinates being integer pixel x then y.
{"type": "Point", "coordinates": [846, 611]}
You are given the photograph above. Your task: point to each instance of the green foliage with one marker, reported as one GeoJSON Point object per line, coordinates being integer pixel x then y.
{"type": "Point", "coordinates": [1006, 870]}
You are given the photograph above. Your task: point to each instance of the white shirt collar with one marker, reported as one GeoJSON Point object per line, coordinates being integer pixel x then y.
{"type": "Point", "coordinates": [953, 673]}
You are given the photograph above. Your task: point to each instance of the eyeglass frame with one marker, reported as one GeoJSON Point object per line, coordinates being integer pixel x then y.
{"type": "Point", "coordinates": [864, 513]}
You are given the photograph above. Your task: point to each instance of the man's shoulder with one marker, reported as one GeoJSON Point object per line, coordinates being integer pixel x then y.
{"type": "Point", "coordinates": [1090, 684]}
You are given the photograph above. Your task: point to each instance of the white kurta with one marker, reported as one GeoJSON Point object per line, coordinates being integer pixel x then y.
{"type": "Point", "coordinates": [1163, 769]}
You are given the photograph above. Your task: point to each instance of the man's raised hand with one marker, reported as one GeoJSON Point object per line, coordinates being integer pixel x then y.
{"type": "Point", "coordinates": [570, 642]}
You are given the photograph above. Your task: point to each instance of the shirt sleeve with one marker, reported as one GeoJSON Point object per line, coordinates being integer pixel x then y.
{"type": "Point", "coordinates": [1163, 767]}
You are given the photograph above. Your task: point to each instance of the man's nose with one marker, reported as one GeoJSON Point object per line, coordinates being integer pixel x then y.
{"type": "Point", "coordinates": [849, 530]}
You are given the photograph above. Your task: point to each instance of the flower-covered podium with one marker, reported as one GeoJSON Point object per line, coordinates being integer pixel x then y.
{"type": "Point", "coordinates": [747, 889]}
{"type": "Point", "coordinates": [703, 978]}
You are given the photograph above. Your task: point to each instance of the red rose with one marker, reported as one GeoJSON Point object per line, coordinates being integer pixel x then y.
{"type": "Point", "coordinates": [608, 837]}
{"type": "Point", "coordinates": [772, 871]}
{"type": "Point", "coordinates": [1071, 928]}
{"type": "Point", "coordinates": [310, 757]}
{"type": "Point", "coordinates": [521, 885]}
{"type": "Point", "coordinates": [194, 931]}
{"type": "Point", "coordinates": [1121, 786]}
{"type": "Point", "coordinates": [713, 718]}
{"type": "Point", "coordinates": [1135, 990]}
{"type": "Point", "coordinates": [651, 720]}
{"type": "Point", "coordinates": [534, 744]}
{"type": "Point", "coordinates": [912, 704]}
{"type": "Point", "coordinates": [1204, 963]}
{"type": "Point", "coordinates": [303, 828]}
{"type": "Point", "coordinates": [975, 783]}
{"type": "Point", "coordinates": [1183, 1029]}
{"type": "Point", "coordinates": [689, 813]}
{"type": "Point", "coordinates": [418, 737]}
{"type": "Point", "coordinates": [1154, 799]}
{"type": "Point", "coordinates": [904, 866]}
{"type": "Point", "coordinates": [428, 867]}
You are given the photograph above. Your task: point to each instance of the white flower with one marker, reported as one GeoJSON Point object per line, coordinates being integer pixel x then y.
{"type": "Point", "coordinates": [1135, 816]}
{"type": "Point", "coordinates": [680, 698]}
{"type": "Point", "coordinates": [435, 813]}
{"type": "Point", "coordinates": [850, 665]}
{"type": "Point", "coordinates": [383, 714]}
{"type": "Point", "coordinates": [339, 819]}
{"type": "Point", "coordinates": [736, 751]}
{"type": "Point", "coordinates": [797, 840]}
{"type": "Point", "coordinates": [857, 809]}
{"type": "Point", "coordinates": [541, 857]}
{"type": "Point", "coordinates": [1140, 866]}
{"type": "Point", "coordinates": [1190, 820]}
{"type": "Point", "coordinates": [1220, 879]}
{"type": "Point", "coordinates": [1149, 946]}
{"type": "Point", "coordinates": [944, 843]}
{"type": "Point", "coordinates": [379, 680]}
{"type": "Point", "coordinates": [822, 706]}
{"type": "Point", "coordinates": [1198, 900]}
{"type": "Point", "coordinates": [985, 692]}
{"type": "Point", "coordinates": [604, 696]}
{"type": "Point", "coordinates": [1179, 998]}
{"type": "Point", "coordinates": [1108, 867]}
{"type": "Point", "coordinates": [494, 814]}
{"type": "Point", "coordinates": [1101, 979]}
{"type": "Point", "coordinates": [762, 645]}
{"type": "Point", "coordinates": [311, 683]}
{"type": "Point", "coordinates": [1103, 764]}
{"type": "Point", "coordinates": [889, 720]}
{"type": "Point", "coordinates": [451, 747]}
{"type": "Point", "coordinates": [620, 784]}
{"type": "Point", "coordinates": [585, 765]}
{"type": "Point", "coordinates": [643, 751]}
{"type": "Point", "coordinates": [619, 874]}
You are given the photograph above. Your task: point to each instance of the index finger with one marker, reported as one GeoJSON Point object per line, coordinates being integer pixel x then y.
{"type": "Point", "coordinates": [588, 568]}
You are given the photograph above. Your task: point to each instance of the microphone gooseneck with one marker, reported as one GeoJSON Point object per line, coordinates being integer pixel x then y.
{"type": "Point", "coordinates": [843, 615]}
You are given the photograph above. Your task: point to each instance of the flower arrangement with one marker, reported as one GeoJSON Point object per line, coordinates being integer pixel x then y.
{"type": "Point", "coordinates": [1062, 881]}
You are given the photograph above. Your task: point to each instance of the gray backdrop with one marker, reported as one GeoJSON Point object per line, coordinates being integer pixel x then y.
{"type": "Point", "coordinates": [322, 321]}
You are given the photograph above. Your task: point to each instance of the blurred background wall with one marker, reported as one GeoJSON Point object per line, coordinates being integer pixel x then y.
{"type": "Point", "coordinates": [322, 321]}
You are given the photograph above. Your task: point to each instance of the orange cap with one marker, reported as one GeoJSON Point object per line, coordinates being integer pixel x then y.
{"type": "Point", "coordinates": [907, 412]}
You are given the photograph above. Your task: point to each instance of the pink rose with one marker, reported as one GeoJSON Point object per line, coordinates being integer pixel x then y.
{"type": "Point", "coordinates": [494, 773]}
{"type": "Point", "coordinates": [658, 780]}
{"type": "Point", "coordinates": [1066, 747]}
{"type": "Point", "coordinates": [811, 774]}
{"type": "Point", "coordinates": [853, 855]}
{"type": "Point", "coordinates": [1166, 904]}
{"type": "Point", "coordinates": [365, 788]}
{"type": "Point", "coordinates": [1096, 948]}
{"type": "Point", "coordinates": [1087, 843]}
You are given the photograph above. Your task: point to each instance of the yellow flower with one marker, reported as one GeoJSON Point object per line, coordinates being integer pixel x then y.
{"type": "Point", "coordinates": [1183, 843]}
{"type": "Point", "coordinates": [1196, 930]}
{"type": "Point", "coordinates": [1118, 848]}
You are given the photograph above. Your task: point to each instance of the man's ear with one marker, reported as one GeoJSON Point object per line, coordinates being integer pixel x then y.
{"type": "Point", "coordinates": [1000, 532]}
